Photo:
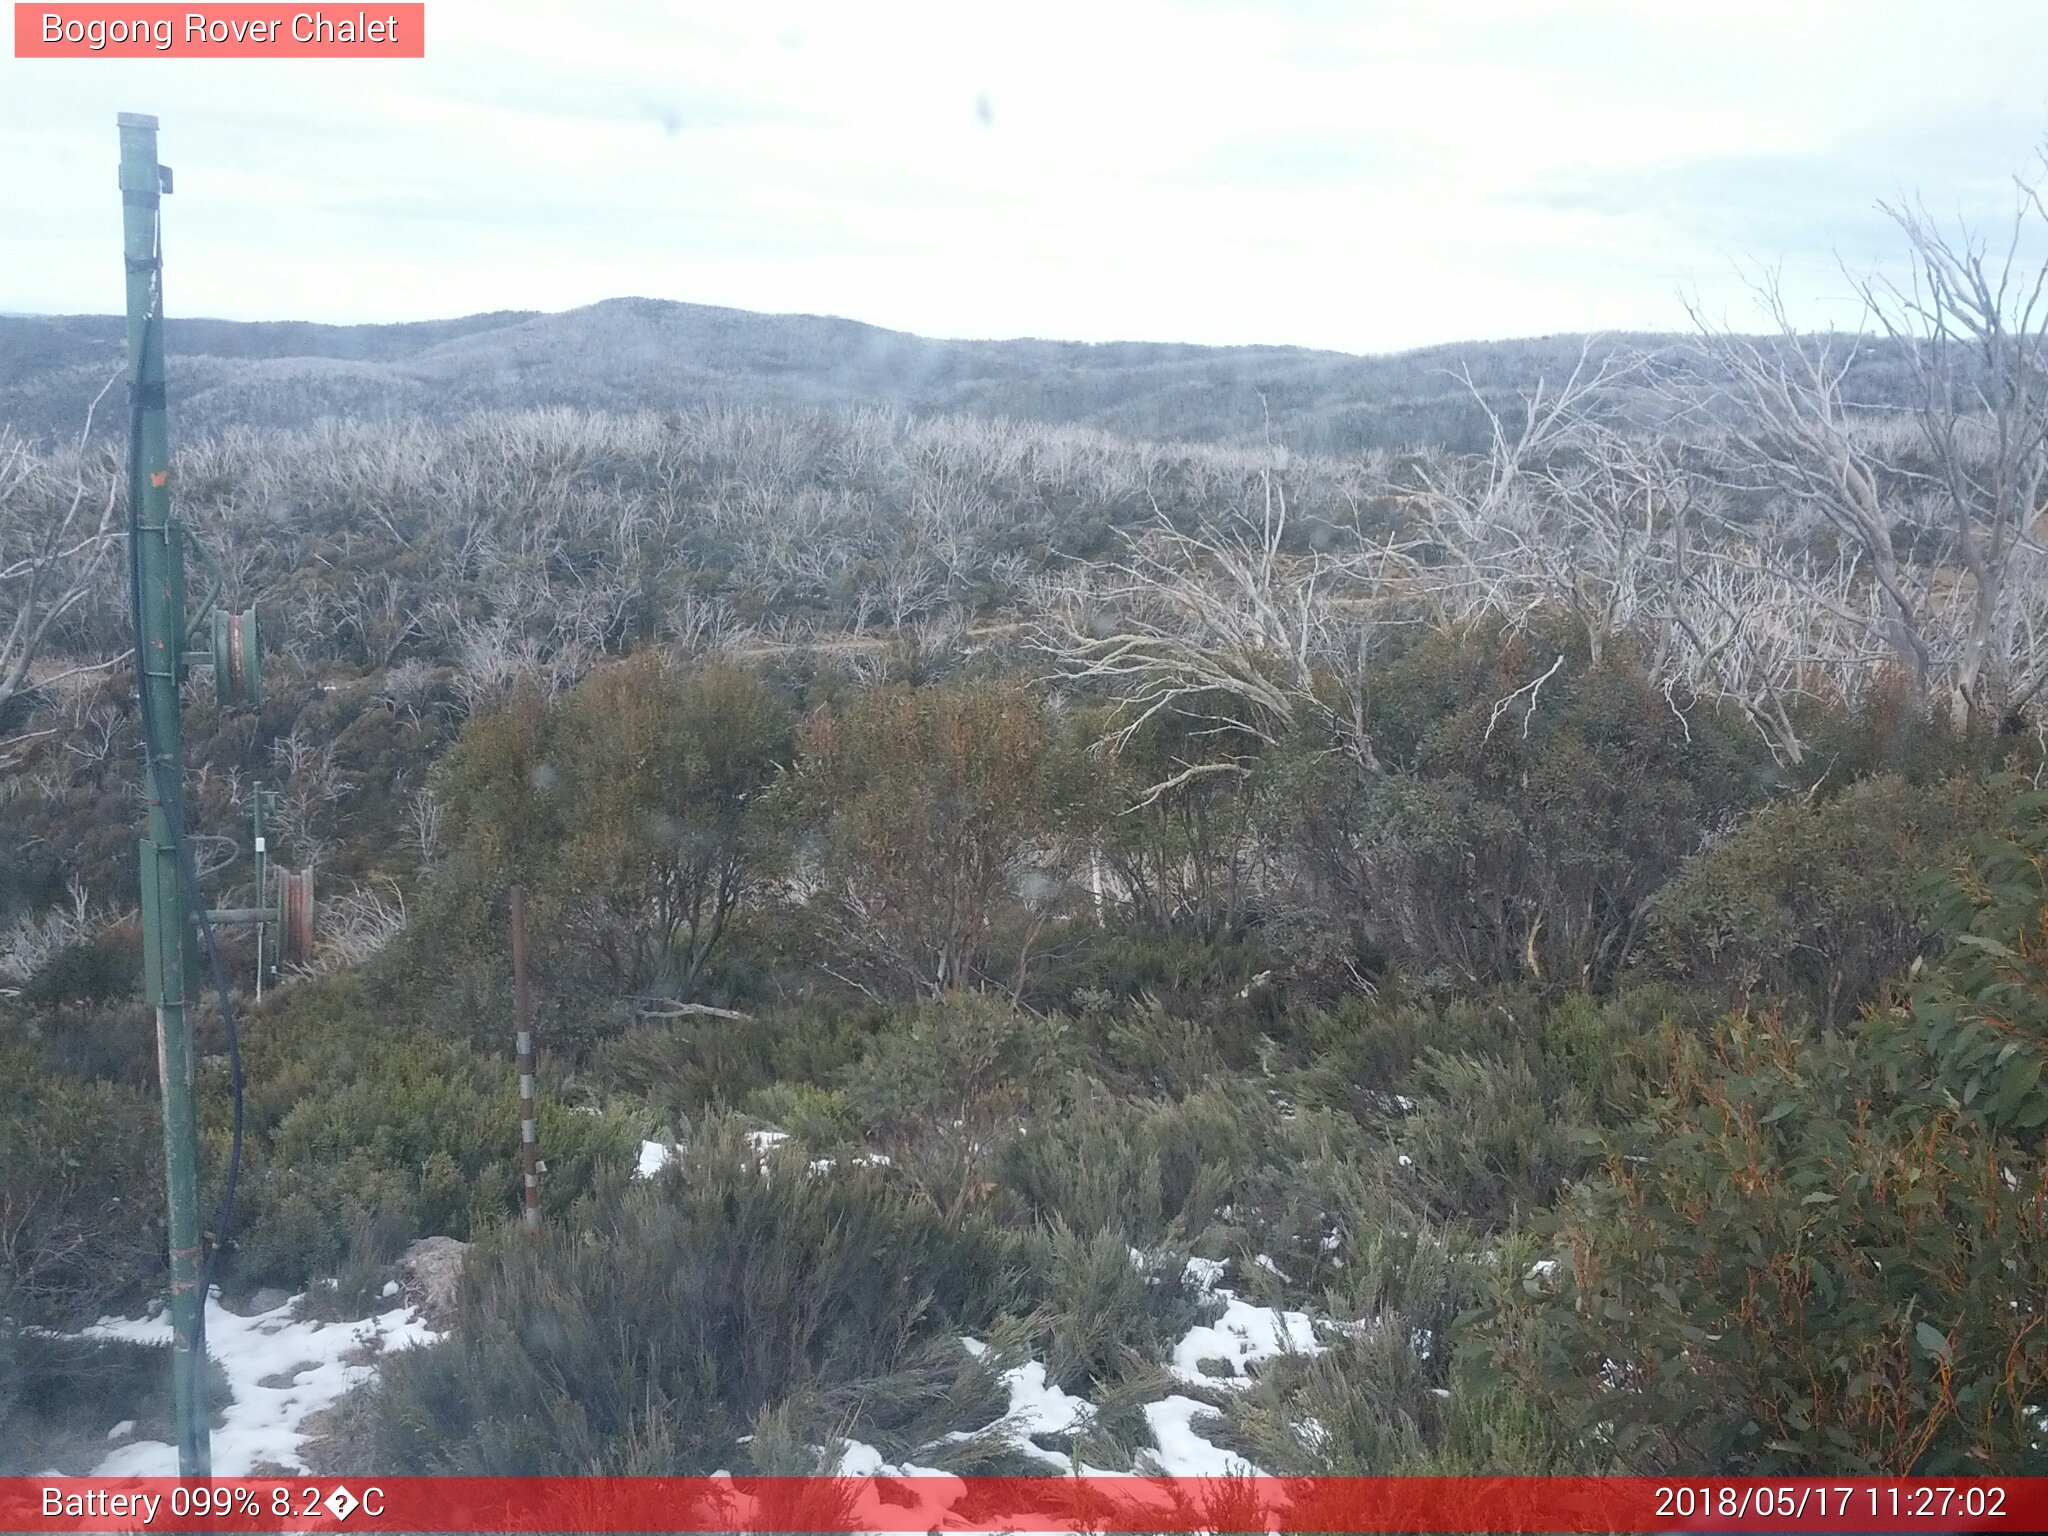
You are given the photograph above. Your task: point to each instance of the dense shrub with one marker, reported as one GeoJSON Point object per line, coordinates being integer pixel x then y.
{"type": "Point", "coordinates": [1489, 1139]}
{"type": "Point", "coordinates": [104, 968]}
{"type": "Point", "coordinates": [679, 1067]}
{"type": "Point", "coordinates": [1367, 1054]}
{"type": "Point", "coordinates": [1979, 1019]}
{"type": "Point", "coordinates": [940, 817]}
{"type": "Point", "coordinates": [1104, 1314]}
{"type": "Point", "coordinates": [1826, 902]}
{"type": "Point", "coordinates": [662, 1323]}
{"type": "Point", "coordinates": [58, 1395]}
{"type": "Point", "coordinates": [1185, 859]}
{"type": "Point", "coordinates": [1789, 1267]}
{"type": "Point", "coordinates": [1826, 1251]}
{"type": "Point", "coordinates": [657, 774]}
{"type": "Point", "coordinates": [81, 1205]}
{"type": "Point", "coordinates": [1492, 845]}
{"type": "Point", "coordinates": [359, 1123]}
{"type": "Point", "coordinates": [1159, 1170]}
{"type": "Point", "coordinates": [635, 813]}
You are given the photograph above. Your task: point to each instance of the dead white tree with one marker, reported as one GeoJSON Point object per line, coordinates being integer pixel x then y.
{"type": "Point", "coordinates": [33, 940]}
{"type": "Point", "coordinates": [1585, 520]}
{"type": "Point", "coordinates": [1767, 632]}
{"type": "Point", "coordinates": [381, 614]}
{"type": "Point", "coordinates": [1573, 512]}
{"type": "Point", "coordinates": [1228, 629]}
{"type": "Point", "coordinates": [1970, 322]}
{"type": "Point", "coordinates": [1973, 322]}
{"type": "Point", "coordinates": [356, 924]}
{"type": "Point", "coordinates": [423, 826]}
{"type": "Point", "coordinates": [57, 535]}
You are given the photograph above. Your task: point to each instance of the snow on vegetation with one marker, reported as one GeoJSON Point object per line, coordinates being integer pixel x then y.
{"type": "Point", "coordinates": [1223, 1353]}
{"type": "Point", "coordinates": [1036, 1407]}
{"type": "Point", "coordinates": [1236, 1343]}
{"type": "Point", "coordinates": [657, 1155]}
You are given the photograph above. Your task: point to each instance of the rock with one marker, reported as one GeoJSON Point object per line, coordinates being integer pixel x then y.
{"type": "Point", "coordinates": [265, 1299]}
{"type": "Point", "coordinates": [429, 1276]}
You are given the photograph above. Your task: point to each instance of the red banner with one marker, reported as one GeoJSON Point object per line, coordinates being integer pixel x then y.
{"type": "Point", "coordinates": [1053, 1504]}
{"type": "Point", "coordinates": [232, 31]}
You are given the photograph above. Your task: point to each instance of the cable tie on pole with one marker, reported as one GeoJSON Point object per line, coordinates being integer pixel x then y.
{"type": "Point", "coordinates": [144, 263]}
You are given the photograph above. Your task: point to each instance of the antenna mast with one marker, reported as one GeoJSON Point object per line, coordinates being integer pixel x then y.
{"type": "Point", "coordinates": [157, 557]}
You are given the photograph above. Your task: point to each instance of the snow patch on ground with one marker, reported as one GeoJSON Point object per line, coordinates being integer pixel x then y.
{"type": "Point", "coordinates": [1182, 1452]}
{"type": "Point", "coordinates": [308, 1366]}
{"type": "Point", "coordinates": [1239, 1340]}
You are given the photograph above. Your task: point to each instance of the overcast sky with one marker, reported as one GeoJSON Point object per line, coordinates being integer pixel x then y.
{"type": "Point", "coordinates": [1348, 175]}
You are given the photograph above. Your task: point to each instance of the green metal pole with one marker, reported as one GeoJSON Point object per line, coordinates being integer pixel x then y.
{"type": "Point", "coordinates": [160, 663]}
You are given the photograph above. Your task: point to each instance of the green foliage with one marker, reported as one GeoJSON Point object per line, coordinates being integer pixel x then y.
{"type": "Point", "coordinates": [1185, 857]}
{"type": "Point", "coordinates": [634, 812]}
{"type": "Point", "coordinates": [1577, 1054]}
{"type": "Point", "coordinates": [1159, 1171]}
{"type": "Point", "coordinates": [1980, 1018]}
{"type": "Point", "coordinates": [680, 1067]}
{"type": "Point", "coordinates": [970, 1061]}
{"type": "Point", "coordinates": [101, 969]}
{"type": "Point", "coordinates": [363, 1133]}
{"type": "Point", "coordinates": [1212, 983]}
{"type": "Point", "coordinates": [939, 816]}
{"type": "Point", "coordinates": [1104, 1314]}
{"type": "Point", "coordinates": [1489, 1139]}
{"type": "Point", "coordinates": [944, 1089]}
{"type": "Point", "coordinates": [1826, 902]}
{"type": "Point", "coordinates": [655, 776]}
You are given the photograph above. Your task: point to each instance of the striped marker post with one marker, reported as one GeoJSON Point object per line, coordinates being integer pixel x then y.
{"type": "Point", "coordinates": [522, 1008]}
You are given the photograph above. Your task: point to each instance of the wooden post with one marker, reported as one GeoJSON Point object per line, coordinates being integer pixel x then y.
{"type": "Point", "coordinates": [522, 1009]}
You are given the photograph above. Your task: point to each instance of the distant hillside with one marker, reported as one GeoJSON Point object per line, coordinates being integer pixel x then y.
{"type": "Point", "coordinates": [650, 354]}
{"type": "Point", "coordinates": [639, 354]}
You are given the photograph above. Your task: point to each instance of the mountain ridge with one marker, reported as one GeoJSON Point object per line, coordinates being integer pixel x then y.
{"type": "Point", "coordinates": [638, 354]}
